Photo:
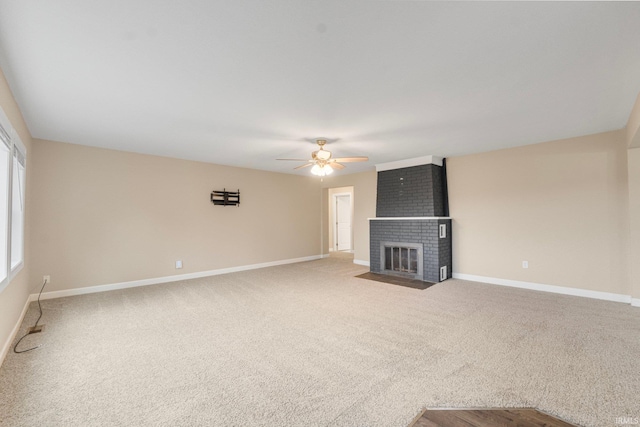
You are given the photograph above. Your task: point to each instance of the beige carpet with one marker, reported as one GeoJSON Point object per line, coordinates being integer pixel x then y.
{"type": "Point", "coordinates": [310, 345]}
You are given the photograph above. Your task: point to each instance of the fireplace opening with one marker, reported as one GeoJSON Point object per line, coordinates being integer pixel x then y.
{"type": "Point", "coordinates": [403, 259]}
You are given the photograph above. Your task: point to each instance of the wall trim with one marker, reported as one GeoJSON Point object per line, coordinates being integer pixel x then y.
{"type": "Point", "coordinates": [168, 279]}
{"type": "Point", "coordinates": [7, 345]}
{"type": "Point", "coordinates": [362, 262]}
{"type": "Point", "coordinates": [416, 161]}
{"type": "Point", "coordinates": [607, 296]}
{"type": "Point", "coordinates": [635, 302]}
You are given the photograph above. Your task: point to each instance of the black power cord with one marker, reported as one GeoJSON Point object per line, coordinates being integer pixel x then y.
{"type": "Point", "coordinates": [15, 347]}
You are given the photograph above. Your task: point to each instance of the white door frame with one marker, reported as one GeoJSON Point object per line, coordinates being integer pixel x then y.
{"type": "Point", "coordinates": [335, 219]}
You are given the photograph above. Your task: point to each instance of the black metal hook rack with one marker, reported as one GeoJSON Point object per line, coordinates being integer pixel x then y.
{"type": "Point", "coordinates": [225, 198]}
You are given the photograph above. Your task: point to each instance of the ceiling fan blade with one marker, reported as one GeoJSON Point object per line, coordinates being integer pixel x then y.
{"type": "Point", "coordinates": [336, 165]}
{"type": "Point", "coordinates": [351, 159]}
{"type": "Point", "coordinates": [297, 160]}
{"type": "Point", "coordinates": [303, 166]}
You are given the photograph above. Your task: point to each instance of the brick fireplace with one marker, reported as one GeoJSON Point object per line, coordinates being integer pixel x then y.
{"type": "Point", "coordinates": [411, 234]}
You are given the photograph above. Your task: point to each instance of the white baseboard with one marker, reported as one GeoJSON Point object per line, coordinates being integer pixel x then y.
{"type": "Point", "coordinates": [635, 302]}
{"type": "Point", "coordinates": [607, 296]}
{"type": "Point", "coordinates": [167, 279]}
{"type": "Point", "coordinates": [361, 262]}
{"type": "Point", "coordinates": [7, 345]}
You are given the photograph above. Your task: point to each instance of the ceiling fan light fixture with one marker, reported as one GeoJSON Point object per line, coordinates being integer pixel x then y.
{"type": "Point", "coordinates": [323, 154]}
{"type": "Point", "coordinates": [321, 170]}
{"type": "Point", "coordinates": [323, 163]}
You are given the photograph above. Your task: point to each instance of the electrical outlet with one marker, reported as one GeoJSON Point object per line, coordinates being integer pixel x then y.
{"type": "Point", "coordinates": [525, 264]}
{"type": "Point", "coordinates": [179, 264]}
{"type": "Point", "coordinates": [47, 279]}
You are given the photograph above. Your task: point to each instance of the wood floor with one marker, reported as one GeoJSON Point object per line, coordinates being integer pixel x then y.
{"type": "Point", "coordinates": [396, 280]}
{"type": "Point", "coordinates": [520, 417]}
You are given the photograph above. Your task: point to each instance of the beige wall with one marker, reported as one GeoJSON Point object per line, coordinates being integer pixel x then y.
{"type": "Point", "coordinates": [102, 216]}
{"type": "Point", "coordinates": [633, 164]}
{"type": "Point", "coordinates": [364, 206]}
{"type": "Point", "coordinates": [560, 205]}
{"type": "Point", "coordinates": [634, 215]}
{"type": "Point", "coordinates": [14, 296]}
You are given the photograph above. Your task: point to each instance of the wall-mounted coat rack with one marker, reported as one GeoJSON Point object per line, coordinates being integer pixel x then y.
{"type": "Point", "coordinates": [225, 198]}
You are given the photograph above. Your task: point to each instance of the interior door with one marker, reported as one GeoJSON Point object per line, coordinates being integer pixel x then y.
{"type": "Point", "coordinates": [343, 222]}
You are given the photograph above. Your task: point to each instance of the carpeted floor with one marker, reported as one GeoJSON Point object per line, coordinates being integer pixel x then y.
{"type": "Point", "coordinates": [310, 345]}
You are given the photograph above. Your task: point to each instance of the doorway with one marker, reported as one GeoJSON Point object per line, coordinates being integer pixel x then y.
{"type": "Point", "coordinates": [343, 222]}
{"type": "Point", "coordinates": [341, 219]}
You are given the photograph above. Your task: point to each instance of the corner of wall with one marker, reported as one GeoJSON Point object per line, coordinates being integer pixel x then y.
{"type": "Point", "coordinates": [633, 126]}
{"type": "Point", "coordinates": [633, 242]}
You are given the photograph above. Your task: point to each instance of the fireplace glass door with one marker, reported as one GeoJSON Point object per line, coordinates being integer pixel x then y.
{"type": "Point", "coordinates": [403, 260]}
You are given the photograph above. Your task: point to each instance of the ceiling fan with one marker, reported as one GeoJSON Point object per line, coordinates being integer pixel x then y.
{"type": "Point", "coordinates": [322, 163]}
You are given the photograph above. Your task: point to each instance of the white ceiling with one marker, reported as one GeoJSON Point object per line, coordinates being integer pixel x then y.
{"type": "Point", "coordinates": [242, 82]}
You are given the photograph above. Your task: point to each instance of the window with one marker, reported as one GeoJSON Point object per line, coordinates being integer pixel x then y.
{"type": "Point", "coordinates": [17, 208]}
{"type": "Point", "coordinates": [12, 196]}
{"type": "Point", "coordinates": [5, 156]}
